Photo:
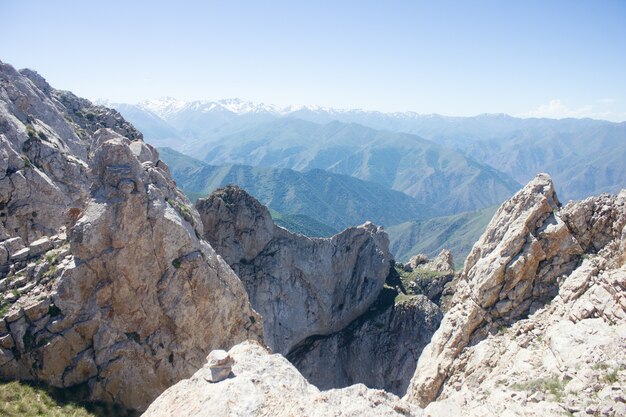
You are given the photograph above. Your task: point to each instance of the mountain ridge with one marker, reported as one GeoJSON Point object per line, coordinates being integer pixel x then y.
{"type": "Point", "coordinates": [519, 147]}
{"type": "Point", "coordinates": [337, 200]}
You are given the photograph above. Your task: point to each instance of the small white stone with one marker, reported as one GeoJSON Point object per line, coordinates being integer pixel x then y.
{"type": "Point", "coordinates": [218, 367]}
{"type": "Point", "coordinates": [219, 357]}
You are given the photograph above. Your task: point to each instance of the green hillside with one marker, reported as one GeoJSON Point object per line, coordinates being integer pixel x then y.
{"type": "Point", "coordinates": [22, 399]}
{"type": "Point", "coordinates": [457, 233]}
{"type": "Point", "coordinates": [304, 225]}
{"type": "Point", "coordinates": [434, 175]}
{"type": "Point", "coordinates": [338, 201]}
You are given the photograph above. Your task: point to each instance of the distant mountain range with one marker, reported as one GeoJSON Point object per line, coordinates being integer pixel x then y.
{"type": "Point", "coordinates": [458, 233]}
{"type": "Point", "coordinates": [321, 170]}
{"type": "Point", "coordinates": [583, 156]}
{"type": "Point", "coordinates": [436, 176]}
{"type": "Point", "coordinates": [319, 203]}
{"type": "Point", "coordinates": [335, 200]}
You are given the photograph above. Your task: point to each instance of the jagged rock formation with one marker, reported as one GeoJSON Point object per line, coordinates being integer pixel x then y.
{"type": "Point", "coordinates": [322, 299]}
{"type": "Point", "coordinates": [301, 286]}
{"type": "Point", "coordinates": [537, 325]}
{"type": "Point", "coordinates": [130, 300]}
{"type": "Point", "coordinates": [537, 287]}
{"type": "Point", "coordinates": [106, 283]}
{"type": "Point", "coordinates": [441, 263]}
{"type": "Point", "coordinates": [45, 136]}
{"type": "Point", "coordinates": [430, 277]}
{"type": "Point", "coordinates": [379, 349]}
{"type": "Point", "coordinates": [268, 385]}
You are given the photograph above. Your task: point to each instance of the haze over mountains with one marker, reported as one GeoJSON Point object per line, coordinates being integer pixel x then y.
{"type": "Point", "coordinates": [261, 136]}
{"type": "Point", "coordinates": [406, 168]}
{"type": "Point", "coordinates": [584, 156]}
{"type": "Point", "coordinates": [339, 201]}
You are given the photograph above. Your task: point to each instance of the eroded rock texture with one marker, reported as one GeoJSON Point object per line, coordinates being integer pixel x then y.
{"type": "Point", "coordinates": [130, 300]}
{"type": "Point", "coordinates": [301, 286]}
{"type": "Point", "coordinates": [537, 321]}
{"type": "Point", "coordinates": [322, 300]}
{"type": "Point", "coordinates": [45, 137]}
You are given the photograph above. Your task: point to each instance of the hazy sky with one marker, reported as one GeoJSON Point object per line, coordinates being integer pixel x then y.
{"type": "Point", "coordinates": [534, 58]}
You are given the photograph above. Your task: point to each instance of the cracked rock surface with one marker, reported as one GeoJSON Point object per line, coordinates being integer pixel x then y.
{"type": "Point", "coordinates": [301, 286]}
{"type": "Point", "coordinates": [537, 324]}
{"type": "Point", "coordinates": [110, 285]}
{"type": "Point", "coordinates": [262, 384]}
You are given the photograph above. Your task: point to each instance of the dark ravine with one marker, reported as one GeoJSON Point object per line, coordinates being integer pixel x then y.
{"type": "Point", "coordinates": [379, 349]}
{"type": "Point", "coordinates": [376, 343]}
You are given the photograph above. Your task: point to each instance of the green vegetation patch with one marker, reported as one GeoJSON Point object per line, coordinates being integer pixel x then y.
{"type": "Point", "coordinates": [30, 400]}
{"type": "Point", "coordinates": [611, 376]}
{"type": "Point", "coordinates": [408, 277]}
{"type": "Point", "coordinates": [552, 385]}
{"type": "Point", "coordinates": [182, 209]}
{"type": "Point", "coordinates": [27, 162]}
{"type": "Point", "coordinates": [403, 298]}
{"type": "Point", "coordinates": [4, 306]}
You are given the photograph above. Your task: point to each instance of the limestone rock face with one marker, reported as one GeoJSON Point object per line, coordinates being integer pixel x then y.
{"type": "Point", "coordinates": [301, 286]}
{"type": "Point", "coordinates": [379, 349]}
{"type": "Point", "coordinates": [538, 316]}
{"type": "Point", "coordinates": [45, 136]}
{"type": "Point", "coordinates": [139, 300]}
{"type": "Point", "coordinates": [268, 385]}
{"type": "Point", "coordinates": [109, 285]}
{"type": "Point", "coordinates": [567, 357]}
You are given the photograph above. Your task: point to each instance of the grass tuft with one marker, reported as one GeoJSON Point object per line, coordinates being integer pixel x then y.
{"type": "Point", "coordinates": [552, 385]}
{"type": "Point", "coordinates": [33, 400]}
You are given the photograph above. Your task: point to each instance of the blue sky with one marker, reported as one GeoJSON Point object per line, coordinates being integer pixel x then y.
{"type": "Point", "coordinates": [531, 58]}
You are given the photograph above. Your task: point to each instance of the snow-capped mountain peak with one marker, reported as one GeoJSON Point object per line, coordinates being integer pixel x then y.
{"type": "Point", "coordinates": [164, 106]}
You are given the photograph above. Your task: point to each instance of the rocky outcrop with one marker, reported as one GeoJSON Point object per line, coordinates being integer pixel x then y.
{"type": "Point", "coordinates": [379, 349]}
{"type": "Point", "coordinates": [137, 301]}
{"type": "Point", "coordinates": [441, 263]}
{"type": "Point", "coordinates": [131, 299]}
{"type": "Point", "coordinates": [45, 137]}
{"type": "Point", "coordinates": [536, 288]}
{"type": "Point", "coordinates": [430, 277]}
{"type": "Point", "coordinates": [268, 385]}
{"type": "Point", "coordinates": [302, 286]}
{"type": "Point", "coordinates": [552, 363]}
